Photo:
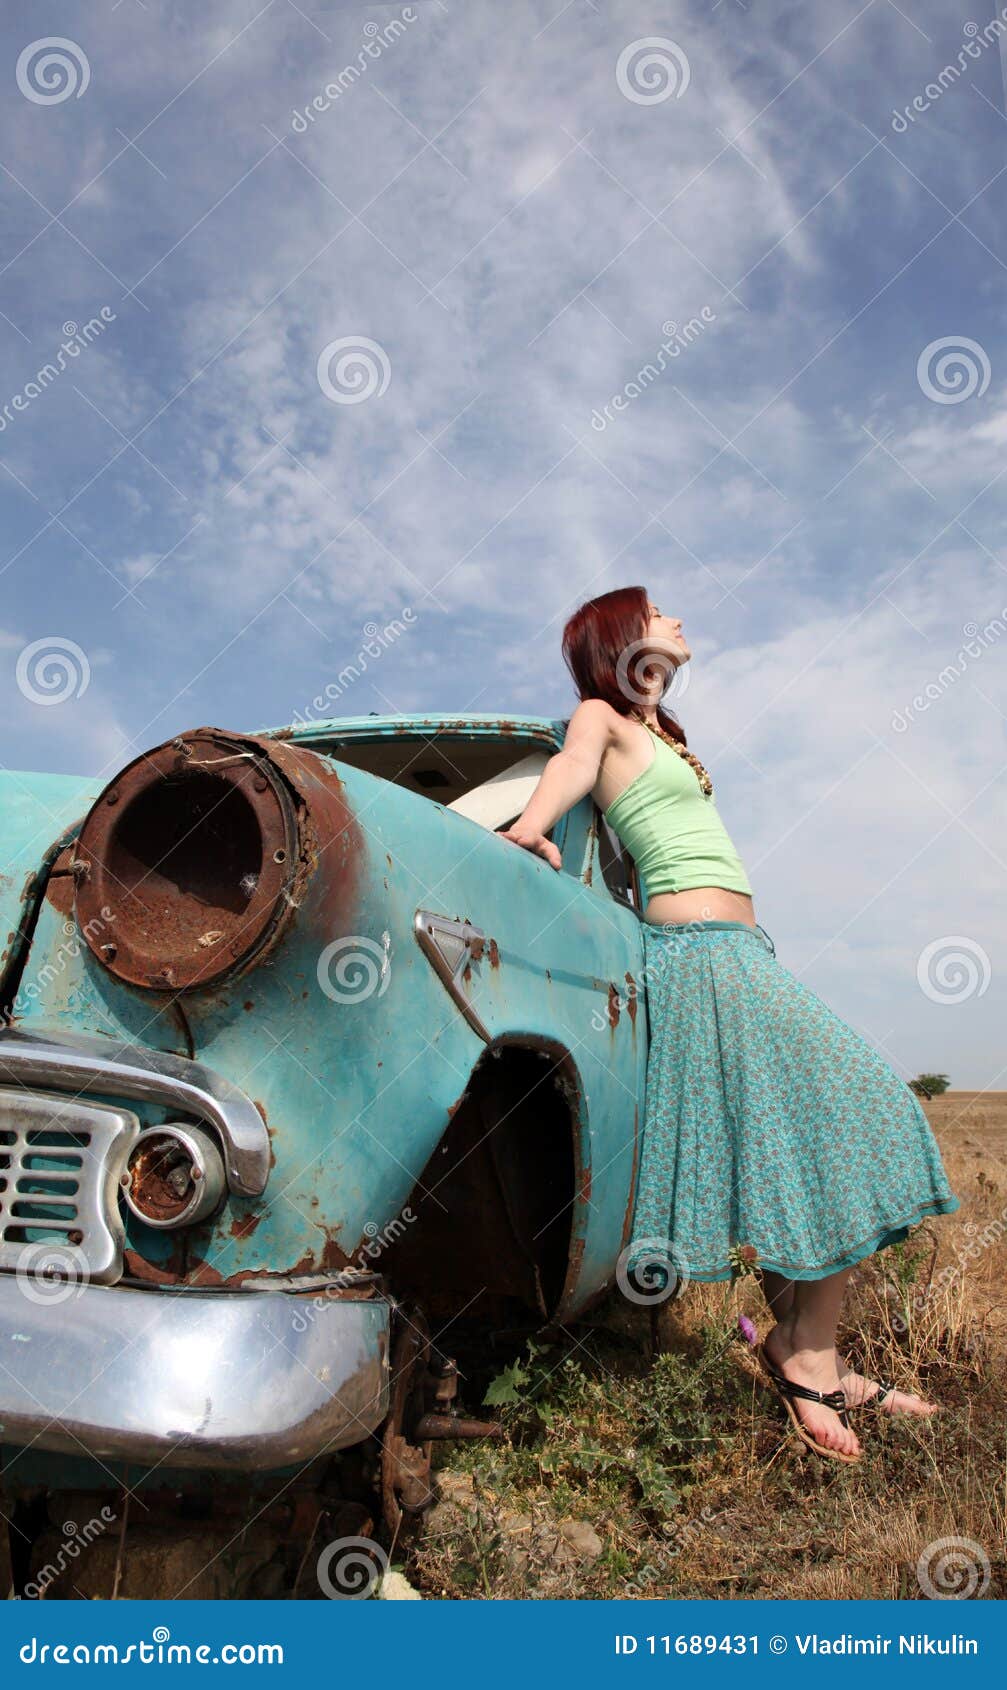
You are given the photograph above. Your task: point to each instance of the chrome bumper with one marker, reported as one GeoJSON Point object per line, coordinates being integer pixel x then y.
{"type": "Point", "coordinates": [244, 1380]}
{"type": "Point", "coordinates": [85, 1064]}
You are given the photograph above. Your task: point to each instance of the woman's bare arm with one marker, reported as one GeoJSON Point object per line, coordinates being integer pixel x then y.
{"type": "Point", "coordinates": [565, 779]}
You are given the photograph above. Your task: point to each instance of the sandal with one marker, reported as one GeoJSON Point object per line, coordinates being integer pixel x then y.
{"type": "Point", "coordinates": [788, 1391]}
{"type": "Point", "coordinates": [877, 1402]}
{"type": "Point", "coordinates": [885, 1389]}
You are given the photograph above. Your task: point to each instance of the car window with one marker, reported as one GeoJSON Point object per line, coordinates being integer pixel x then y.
{"type": "Point", "coordinates": [475, 773]}
{"type": "Point", "coordinates": [618, 869]}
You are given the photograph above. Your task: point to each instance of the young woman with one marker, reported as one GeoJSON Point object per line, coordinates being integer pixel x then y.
{"type": "Point", "coordinates": [774, 1136]}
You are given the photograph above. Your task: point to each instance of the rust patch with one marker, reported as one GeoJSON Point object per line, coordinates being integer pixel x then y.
{"type": "Point", "coordinates": [331, 1258]}
{"type": "Point", "coordinates": [248, 1004]}
{"type": "Point", "coordinates": [59, 887]}
{"type": "Point", "coordinates": [155, 1186]}
{"type": "Point", "coordinates": [632, 995]}
{"type": "Point", "coordinates": [138, 1267]}
{"type": "Point", "coordinates": [206, 849]}
{"type": "Point", "coordinates": [243, 1226]}
{"type": "Point", "coordinates": [493, 954]}
{"type": "Point", "coordinates": [627, 1224]}
{"type": "Point", "coordinates": [592, 836]}
{"type": "Point", "coordinates": [613, 1005]}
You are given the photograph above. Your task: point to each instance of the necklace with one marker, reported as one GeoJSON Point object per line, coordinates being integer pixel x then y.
{"type": "Point", "coordinates": [687, 757]}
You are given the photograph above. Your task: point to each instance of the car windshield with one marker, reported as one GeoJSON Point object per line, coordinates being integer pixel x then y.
{"type": "Point", "coordinates": [480, 776]}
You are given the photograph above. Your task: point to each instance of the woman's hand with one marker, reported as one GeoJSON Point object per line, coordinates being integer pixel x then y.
{"type": "Point", "coordinates": [532, 840]}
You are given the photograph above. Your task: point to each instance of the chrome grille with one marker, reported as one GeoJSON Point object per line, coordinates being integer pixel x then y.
{"type": "Point", "coordinates": [60, 1163]}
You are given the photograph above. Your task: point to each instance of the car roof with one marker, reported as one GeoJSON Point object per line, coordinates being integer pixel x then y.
{"type": "Point", "coordinates": [491, 724]}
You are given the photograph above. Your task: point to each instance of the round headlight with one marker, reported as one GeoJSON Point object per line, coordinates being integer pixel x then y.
{"type": "Point", "coordinates": [174, 1176]}
{"type": "Point", "coordinates": [184, 866]}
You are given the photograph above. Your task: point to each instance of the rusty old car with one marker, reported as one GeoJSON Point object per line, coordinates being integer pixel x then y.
{"type": "Point", "coordinates": [300, 1066]}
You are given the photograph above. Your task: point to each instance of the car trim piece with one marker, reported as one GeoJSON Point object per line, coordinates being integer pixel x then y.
{"type": "Point", "coordinates": [84, 1064]}
{"type": "Point", "coordinates": [209, 1379]}
{"type": "Point", "coordinates": [450, 946]}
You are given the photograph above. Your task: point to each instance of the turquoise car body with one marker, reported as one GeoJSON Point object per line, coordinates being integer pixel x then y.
{"type": "Point", "coordinates": [451, 963]}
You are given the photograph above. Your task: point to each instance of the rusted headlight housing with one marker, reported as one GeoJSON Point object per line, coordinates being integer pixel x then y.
{"type": "Point", "coordinates": [174, 1176]}
{"type": "Point", "coordinates": [184, 866]}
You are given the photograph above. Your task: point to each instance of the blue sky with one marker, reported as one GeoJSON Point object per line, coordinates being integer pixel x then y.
{"type": "Point", "coordinates": [509, 204]}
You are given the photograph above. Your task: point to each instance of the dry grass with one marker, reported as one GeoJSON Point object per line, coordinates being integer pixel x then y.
{"type": "Point", "coordinates": [679, 1462]}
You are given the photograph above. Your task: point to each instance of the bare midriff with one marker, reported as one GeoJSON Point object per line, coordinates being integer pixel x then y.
{"type": "Point", "coordinates": [700, 903]}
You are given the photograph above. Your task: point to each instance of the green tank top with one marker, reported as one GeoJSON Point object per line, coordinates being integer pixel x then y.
{"type": "Point", "coordinates": [673, 831]}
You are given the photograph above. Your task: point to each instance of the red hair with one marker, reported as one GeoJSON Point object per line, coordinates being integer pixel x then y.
{"type": "Point", "coordinates": [597, 636]}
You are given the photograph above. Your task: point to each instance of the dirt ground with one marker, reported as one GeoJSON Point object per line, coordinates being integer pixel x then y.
{"type": "Point", "coordinates": [645, 1458]}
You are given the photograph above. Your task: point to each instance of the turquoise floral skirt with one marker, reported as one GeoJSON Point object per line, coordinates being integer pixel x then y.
{"type": "Point", "coordinates": [773, 1134]}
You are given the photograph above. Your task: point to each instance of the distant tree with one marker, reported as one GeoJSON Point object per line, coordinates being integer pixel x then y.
{"type": "Point", "coordinates": [929, 1085]}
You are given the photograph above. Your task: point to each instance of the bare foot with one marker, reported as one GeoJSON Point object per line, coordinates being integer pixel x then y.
{"type": "Point", "coordinates": [818, 1371]}
{"type": "Point", "coordinates": [860, 1390]}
